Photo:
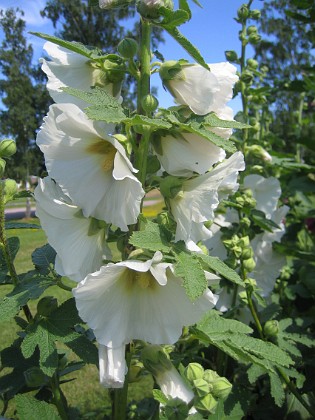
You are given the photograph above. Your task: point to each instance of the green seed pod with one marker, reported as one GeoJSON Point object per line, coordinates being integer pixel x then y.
{"type": "Point", "coordinates": [247, 253]}
{"type": "Point", "coordinates": [249, 265]}
{"type": "Point", "coordinates": [128, 48]}
{"type": "Point", "coordinates": [231, 56]}
{"type": "Point", "coordinates": [202, 387]}
{"type": "Point", "coordinates": [206, 404]}
{"type": "Point", "coordinates": [194, 371]}
{"type": "Point", "coordinates": [149, 103]}
{"type": "Point", "coordinates": [271, 328]}
{"type": "Point", "coordinates": [7, 148]}
{"type": "Point", "coordinates": [210, 376]}
{"type": "Point", "coordinates": [221, 388]}
{"type": "Point", "coordinates": [47, 305]}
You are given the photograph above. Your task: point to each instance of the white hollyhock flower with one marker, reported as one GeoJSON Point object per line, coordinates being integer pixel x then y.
{"type": "Point", "coordinates": [266, 192]}
{"type": "Point", "coordinates": [188, 153]}
{"type": "Point", "coordinates": [200, 196]}
{"type": "Point", "coordinates": [90, 166]}
{"type": "Point", "coordinates": [203, 91]}
{"type": "Point", "coordinates": [79, 242]}
{"type": "Point", "coordinates": [138, 300]}
{"type": "Point", "coordinates": [112, 366]}
{"type": "Point", "coordinates": [67, 68]}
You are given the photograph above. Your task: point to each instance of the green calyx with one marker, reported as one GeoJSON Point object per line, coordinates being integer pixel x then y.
{"type": "Point", "coordinates": [171, 186]}
{"type": "Point", "coordinates": [155, 360]}
{"type": "Point", "coordinates": [171, 70]}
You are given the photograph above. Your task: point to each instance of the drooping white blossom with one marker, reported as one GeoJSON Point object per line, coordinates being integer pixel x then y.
{"type": "Point", "coordinates": [138, 300]}
{"type": "Point", "coordinates": [79, 241]}
{"type": "Point", "coordinates": [112, 366]}
{"type": "Point", "coordinates": [203, 91]}
{"type": "Point", "coordinates": [90, 166]}
{"type": "Point", "coordinates": [70, 69]}
{"type": "Point", "coordinates": [187, 153]}
{"type": "Point", "coordinates": [200, 196]}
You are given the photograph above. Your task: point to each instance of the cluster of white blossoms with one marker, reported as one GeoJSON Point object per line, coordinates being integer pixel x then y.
{"type": "Point", "coordinates": [92, 185]}
{"type": "Point", "coordinates": [268, 263]}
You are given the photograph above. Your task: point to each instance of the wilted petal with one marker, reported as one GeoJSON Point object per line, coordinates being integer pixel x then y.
{"type": "Point", "coordinates": [112, 365]}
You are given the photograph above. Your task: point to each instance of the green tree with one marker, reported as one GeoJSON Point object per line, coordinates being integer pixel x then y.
{"type": "Point", "coordinates": [23, 94]}
{"type": "Point", "coordinates": [286, 50]}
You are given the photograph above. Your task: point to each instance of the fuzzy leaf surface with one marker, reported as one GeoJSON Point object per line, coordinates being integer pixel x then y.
{"type": "Point", "coordinates": [153, 237]}
{"type": "Point", "coordinates": [215, 264]}
{"type": "Point", "coordinates": [190, 270]}
{"type": "Point", "coordinates": [29, 408]}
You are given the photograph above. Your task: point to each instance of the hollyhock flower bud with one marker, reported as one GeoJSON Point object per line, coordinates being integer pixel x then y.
{"type": "Point", "coordinates": [231, 56]}
{"type": "Point", "coordinates": [149, 103]}
{"type": "Point", "coordinates": [150, 8]}
{"type": "Point", "coordinates": [7, 148]}
{"type": "Point", "coordinates": [194, 371]}
{"type": "Point", "coordinates": [221, 388]}
{"type": "Point", "coordinates": [169, 380]}
{"type": "Point", "coordinates": [271, 328]}
{"type": "Point", "coordinates": [111, 4]}
{"type": "Point", "coordinates": [127, 48]}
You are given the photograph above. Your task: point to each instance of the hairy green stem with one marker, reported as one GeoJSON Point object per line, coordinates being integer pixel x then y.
{"type": "Point", "coordinates": [145, 63]}
{"type": "Point", "coordinates": [6, 250]}
{"type": "Point", "coordinates": [121, 394]}
{"type": "Point", "coordinates": [59, 399]}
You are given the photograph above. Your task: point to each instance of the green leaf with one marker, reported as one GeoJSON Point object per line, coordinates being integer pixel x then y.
{"type": "Point", "coordinates": [276, 389]}
{"type": "Point", "coordinates": [215, 264]}
{"type": "Point", "coordinates": [260, 219]}
{"type": "Point", "coordinates": [84, 348]}
{"type": "Point", "coordinates": [76, 47]}
{"type": "Point", "coordinates": [186, 44]}
{"type": "Point", "coordinates": [174, 18]}
{"type": "Point", "coordinates": [31, 288]}
{"type": "Point", "coordinates": [38, 335]}
{"type": "Point", "coordinates": [211, 120]}
{"type": "Point", "coordinates": [29, 408]}
{"type": "Point", "coordinates": [237, 344]}
{"type": "Point", "coordinates": [59, 326]}
{"type": "Point", "coordinates": [44, 257]}
{"type": "Point", "coordinates": [159, 396]}
{"type": "Point", "coordinates": [104, 106]}
{"type": "Point", "coordinates": [190, 270]}
{"type": "Point", "coordinates": [153, 237]}
{"type": "Point", "coordinates": [197, 128]}
{"type": "Point", "coordinates": [154, 123]}
{"type": "Point", "coordinates": [183, 4]}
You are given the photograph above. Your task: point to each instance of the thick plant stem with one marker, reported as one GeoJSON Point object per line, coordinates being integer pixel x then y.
{"type": "Point", "coordinates": [145, 63]}
{"type": "Point", "coordinates": [59, 399]}
{"type": "Point", "coordinates": [120, 395]}
{"type": "Point", "coordinates": [6, 251]}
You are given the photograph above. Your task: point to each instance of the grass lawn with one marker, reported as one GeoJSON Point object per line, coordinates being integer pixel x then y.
{"type": "Point", "coordinates": [85, 391]}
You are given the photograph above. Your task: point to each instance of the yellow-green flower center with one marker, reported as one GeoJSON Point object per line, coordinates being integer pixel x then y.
{"type": "Point", "coordinates": [106, 150]}
{"type": "Point", "coordinates": [143, 280]}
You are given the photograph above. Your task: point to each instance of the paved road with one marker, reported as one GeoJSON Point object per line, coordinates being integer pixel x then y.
{"type": "Point", "coordinates": [17, 213]}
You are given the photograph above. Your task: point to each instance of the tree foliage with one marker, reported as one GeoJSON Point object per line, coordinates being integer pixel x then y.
{"type": "Point", "coordinates": [23, 94]}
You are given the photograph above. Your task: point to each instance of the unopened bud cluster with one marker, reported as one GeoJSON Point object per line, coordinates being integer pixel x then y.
{"type": "Point", "coordinates": [7, 149]}
{"type": "Point", "coordinates": [208, 386]}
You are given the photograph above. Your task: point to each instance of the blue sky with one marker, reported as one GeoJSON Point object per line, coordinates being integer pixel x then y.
{"type": "Point", "coordinates": [212, 30]}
